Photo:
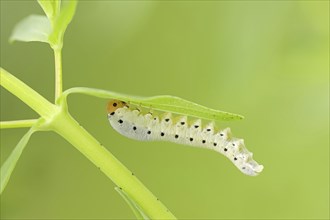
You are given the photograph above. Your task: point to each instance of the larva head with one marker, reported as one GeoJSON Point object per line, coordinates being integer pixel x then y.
{"type": "Point", "coordinates": [113, 105]}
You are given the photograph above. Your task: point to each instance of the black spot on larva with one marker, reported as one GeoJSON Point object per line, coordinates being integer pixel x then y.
{"type": "Point", "coordinates": [214, 144]}
{"type": "Point", "coordinates": [176, 136]}
{"type": "Point", "coordinates": [114, 104]}
{"type": "Point", "coordinates": [155, 118]}
{"type": "Point", "coordinates": [243, 168]}
{"type": "Point", "coordinates": [203, 141]}
{"type": "Point", "coordinates": [134, 128]}
{"type": "Point", "coordinates": [225, 149]}
{"type": "Point", "coordinates": [235, 158]}
{"type": "Point", "coordinates": [191, 139]}
{"type": "Point", "coordinates": [233, 144]}
{"type": "Point", "coordinates": [196, 126]}
{"type": "Point", "coordinates": [209, 129]}
{"type": "Point", "coordinates": [167, 119]}
{"type": "Point", "coordinates": [149, 132]}
{"type": "Point", "coordinates": [120, 121]}
{"type": "Point", "coordinates": [182, 123]}
{"type": "Point", "coordinates": [112, 113]}
{"type": "Point", "coordinates": [221, 134]}
{"type": "Point", "coordinates": [162, 134]}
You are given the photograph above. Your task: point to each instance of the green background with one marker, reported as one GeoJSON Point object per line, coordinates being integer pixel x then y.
{"type": "Point", "coordinates": [266, 60]}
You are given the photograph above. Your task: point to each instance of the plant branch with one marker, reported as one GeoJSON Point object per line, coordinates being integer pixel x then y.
{"type": "Point", "coordinates": [70, 130]}
{"type": "Point", "coordinates": [59, 120]}
{"type": "Point", "coordinates": [30, 97]}
{"type": "Point", "coordinates": [58, 73]}
{"type": "Point", "coordinates": [18, 123]}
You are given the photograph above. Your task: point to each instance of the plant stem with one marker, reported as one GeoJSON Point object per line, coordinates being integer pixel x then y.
{"type": "Point", "coordinates": [61, 122]}
{"type": "Point", "coordinates": [58, 72]}
{"type": "Point", "coordinates": [70, 130]}
{"type": "Point", "coordinates": [18, 123]}
{"type": "Point", "coordinates": [33, 99]}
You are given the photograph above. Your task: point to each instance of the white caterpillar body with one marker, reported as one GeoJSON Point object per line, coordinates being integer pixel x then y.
{"type": "Point", "coordinates": [147, 127]}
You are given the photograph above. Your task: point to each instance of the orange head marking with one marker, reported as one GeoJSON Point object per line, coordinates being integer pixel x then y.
{"type": "Point", "coordinates": [113, 105]}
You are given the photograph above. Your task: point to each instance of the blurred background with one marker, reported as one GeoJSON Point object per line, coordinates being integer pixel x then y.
{"type": "Point", "coordinates": [266, 60]}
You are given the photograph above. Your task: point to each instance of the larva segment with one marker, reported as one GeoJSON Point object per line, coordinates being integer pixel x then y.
{"type": "Point", "coordinates": [209, 129]}
{"type": "Point", "coordinates": [135, 124]}
{"type": "Point", "coordinates": [182, 122]}
{"type": "Point", "coordinates": [197, 125]}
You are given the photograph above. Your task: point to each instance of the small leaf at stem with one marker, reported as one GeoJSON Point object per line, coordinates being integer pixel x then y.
{"type": "Point", "coordinates": [138, 212]}
{"type": "Point", "coordinates": [50, 7]}
{"type": "Point", "coordinates": [32, 28]}
{"type": "Point", "coordinates": [8, 166]}
{"type": "Point", "coordinates": [61, 22]}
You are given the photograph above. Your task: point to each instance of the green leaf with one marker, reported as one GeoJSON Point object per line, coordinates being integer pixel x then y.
{"type": "Point", "coordinates": [32, 28]}
{"type": "Point", "coordinates": [139, 214]}
{"type": "Point", "coordinates": [164, 103]}
{"type": "Point", "coordinates": [50, 7]}
{"type": "Point", "coordinates": [50, 28]}
{"type": "Point", "coordinates": [8, 167]}
{"type": "Point", "coordinates": [61, 22]}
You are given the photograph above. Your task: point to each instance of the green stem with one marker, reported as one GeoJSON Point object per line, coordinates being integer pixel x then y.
{"type": "Point", "coordinates": [33, 99]}
{"type": "Point", "coordinates": [58, 73]}
{"type": "Point", "coordinates": [61, 122]}
{"type": "Point", "coordinates": [70, 130]}
{"type": "Point", "coordinates": [18, 123]}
